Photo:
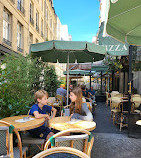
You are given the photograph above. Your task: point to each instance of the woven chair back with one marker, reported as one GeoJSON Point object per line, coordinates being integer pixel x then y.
{"type": "Point", "coordinates": [4, 140]}
{"type": "Point", "coordinates": [81, 140]}
{"type": "Point", "coordinates": [115, 102]}
{"type": "Point", "coordinates": [136, 101]}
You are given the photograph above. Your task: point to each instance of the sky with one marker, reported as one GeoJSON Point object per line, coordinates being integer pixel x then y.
{"type": "Point", "coordinates": [81, 16]}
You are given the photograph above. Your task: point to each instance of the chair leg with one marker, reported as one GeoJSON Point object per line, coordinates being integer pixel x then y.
{"type": "Point", "coordinates": [120, 126]}
{"type": "Point", "coordinates": [113, 118]}
{"type": "Point", "coordinates": [25, 155]}
{"type": "Point", "coordinates": [121, 121]}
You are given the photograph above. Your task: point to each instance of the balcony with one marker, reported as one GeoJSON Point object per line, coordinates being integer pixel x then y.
{"type": "Point", "coordinates": [19, 49]}
{"type": "Point", "coordinates": [7, 42]}
{"type": "Point", "coordinates": [31, 21]}
{"type": "Point", "coordinates": [20, 7]}
{"type": "Point", "coordinates": [37, 28]}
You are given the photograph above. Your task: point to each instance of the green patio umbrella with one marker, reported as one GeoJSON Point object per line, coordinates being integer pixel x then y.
{"type": "Point", "coordinates": [67, 52]}
{"type": "Point", "coordinates": [78, 72]}
{"type": "Point", "coordinates": [100, 68]}
{"type": "Point", "coordinates": [124, 20]}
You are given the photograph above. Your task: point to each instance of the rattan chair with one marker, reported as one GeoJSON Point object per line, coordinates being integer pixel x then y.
{"type": "Point", "coordinates": [65, 152]}
{"type": "Point", "coordinates": [66, 138]}
{"type": "Point", "coordinates": [136, 101]}
{"type": "Point", "coordinates": [51, 100]}
{"type": "Point", "coordinates": [6, 142]}
{"type": "Point", "coordinates": [119, 95]}
{"type": "Point", "coordinates": [115, 108]}
{"type": "Point", "coordinates": [136, 95]}
{"type": "Point", "coordinates": [61, 99]}
{"type": "Point", "coordinates": [107, 98]}
{"type": "Point", "coordinates": [28, 140]}
{"type": "Point", "coordinates": [89, 103]}
{"type": "Point", "coordinates": [65, 111]}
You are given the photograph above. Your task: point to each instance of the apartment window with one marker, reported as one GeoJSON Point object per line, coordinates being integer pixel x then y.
{"type": "Point", "coordinates": [42, 28]}
{"type": "Point", "coordinates": [37, 41]}
{"type": "Point", "coordinates": [30, 38]}
{"type": "Point", "coordinates": [46, 14]}
{"type": "Point", "coordinates": [20, 6]}
{"type": "Point", "coordinates": [19, 37]}
{"type": "Point", "coordinates": [50, 22]}
{"type": "Point", "coordinates": [54, 28]}
{"type": "Point", "coordinates": [7, 27]}
{"type": "Point", "coordinates": [37, 21]}
{"type": "Point", "coordinates": [31, 13]}
{"type": "Point", "coordinates": [42, 4]}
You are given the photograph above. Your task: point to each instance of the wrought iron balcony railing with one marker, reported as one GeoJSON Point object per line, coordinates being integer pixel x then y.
{"type": "Point", "coordinates": [7, 42]}
{"type": "Point", "coordinates": [42, 34]}
{"type": "Point", "coordinates": [31, 21]}
{"type": "Point", "coordinates": [37, 28]}
{"type": "Point", "coordinates": [20, 7]}
{"type": "Point", "coordinates": [19, 49]}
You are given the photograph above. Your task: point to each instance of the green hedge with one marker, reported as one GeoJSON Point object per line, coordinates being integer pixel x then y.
{"type": "Point", "coordinates": [21, 78]}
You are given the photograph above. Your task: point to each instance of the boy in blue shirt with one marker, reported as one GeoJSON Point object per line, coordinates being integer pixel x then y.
{"type": "Point", "coordinates": [40, 110]}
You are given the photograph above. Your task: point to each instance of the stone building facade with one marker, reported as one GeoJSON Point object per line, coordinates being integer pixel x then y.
{"type": "Point", "coordinates": [24, 22]}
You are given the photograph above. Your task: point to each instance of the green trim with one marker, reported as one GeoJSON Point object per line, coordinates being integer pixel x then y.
{"type": "Point", "coordinates": [52, 141]}
{"type": "Point", "coordinates": [90, 137]}
{"type": "Point", "coordinates": [11, 128]}
{"type": "Point", "coordinates": [63, 110]}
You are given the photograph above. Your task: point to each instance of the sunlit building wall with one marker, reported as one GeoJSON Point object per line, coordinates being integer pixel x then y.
{"type": "Point", "coordinates": [24, 22]}
{"type": "Point", "coordinates": [64, 33]}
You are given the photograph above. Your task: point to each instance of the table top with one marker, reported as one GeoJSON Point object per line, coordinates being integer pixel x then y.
{"type": "Point", "coordinates": [23, 126]}
{"type": "Point", "coordinates": [64, 123]}
{"type": "Point", "coordinates": [124, 101]}
{"type": "Point", "coordinates": [138, 122]}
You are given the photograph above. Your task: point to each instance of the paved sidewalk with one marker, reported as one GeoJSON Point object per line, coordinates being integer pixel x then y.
{"type": "Point", "coordinates": [107, 145]}
{"type": "Point", "coordinates": [109, 141]}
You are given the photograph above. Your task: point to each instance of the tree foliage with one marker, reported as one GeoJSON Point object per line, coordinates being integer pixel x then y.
{"type": "Point", "coordinates": [19, 80]}
{"type": "Point", "coordinates": [113, 63]}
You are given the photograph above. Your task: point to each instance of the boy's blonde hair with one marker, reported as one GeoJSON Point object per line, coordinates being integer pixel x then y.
{"type": "Point", "coordinates": [40, 94]}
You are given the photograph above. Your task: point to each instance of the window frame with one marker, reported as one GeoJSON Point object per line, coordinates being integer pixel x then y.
{"type": "Point", "coordinates": [19, 36]}
{"type": "Point", "coordinates": [7, 27]}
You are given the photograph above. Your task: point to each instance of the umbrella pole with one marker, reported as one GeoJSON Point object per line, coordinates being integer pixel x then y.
{"type": "Point", "coordinates": [68, 79]}
{"type": "Point", "coordinates": [77, 80]}
{"type": "Point", "coordinates": [129, 89]}
{"type": "Point", "coordinates": [130, 77]}
{"type": "Point", "coordinates": [108, 82]}
{"type": "Point", "coordinates": [101, 84]}
{"type": "Point", "coordinates": [90, 81]}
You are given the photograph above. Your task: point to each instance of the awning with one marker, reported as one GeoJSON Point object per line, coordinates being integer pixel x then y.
{"type": "Point", "coordinates": [113, 46]}
{"type": "Point", "coordinates": [99, 68]}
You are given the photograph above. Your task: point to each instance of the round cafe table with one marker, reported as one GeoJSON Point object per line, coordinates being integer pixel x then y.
{"type": "Point", "coordinates": [138, 122]}
{"type": "Point", "coordinates": [23, 126]}
{"type": "Point", "coordinates": [64, 123]}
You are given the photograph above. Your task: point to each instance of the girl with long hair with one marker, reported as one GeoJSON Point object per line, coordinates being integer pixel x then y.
{"type": "Point", "coordinates": [79, 109]}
